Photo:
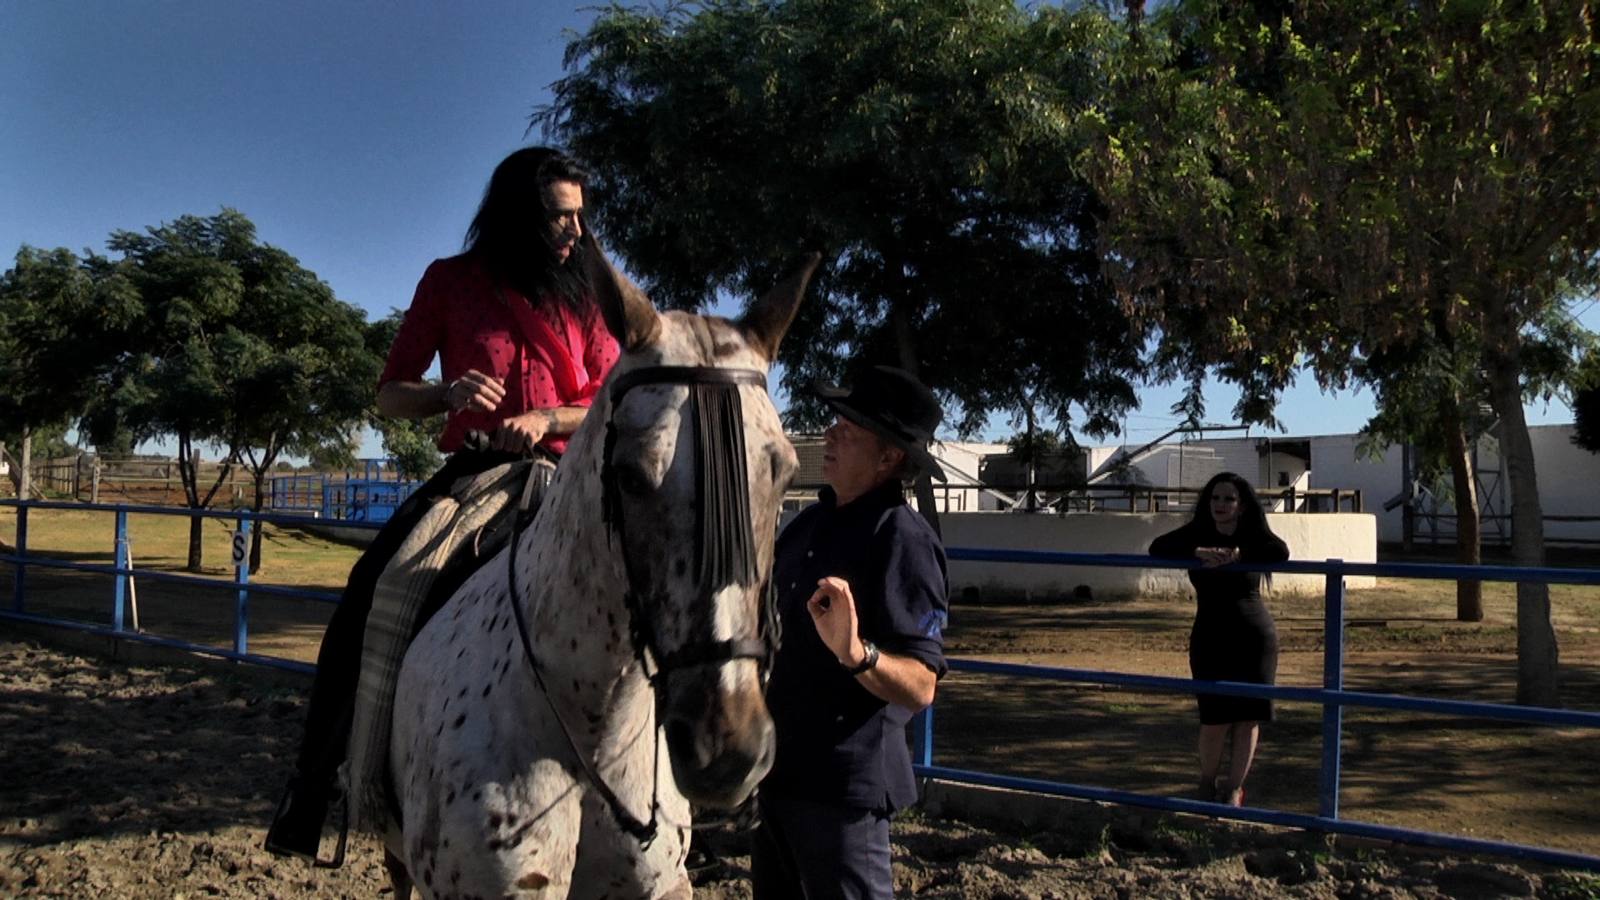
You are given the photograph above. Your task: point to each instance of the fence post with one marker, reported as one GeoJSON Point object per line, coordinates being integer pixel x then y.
{"type": "Point", "coordinates": [1332, 680]}
{"type": "Point", "coordinates": [241, 577]}
{"type": "Point", "coordinates": [922, 736]}
{"type": "Point", "coordinates": [120, 554]}
{"type": "Point", "coordinates": [25, 488]}
{"type": "Point", "coordinates": [19, 576]}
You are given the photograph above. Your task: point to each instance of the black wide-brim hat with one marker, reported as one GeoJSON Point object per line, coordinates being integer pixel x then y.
{"type": "Point", "coordinates": [894, 405]}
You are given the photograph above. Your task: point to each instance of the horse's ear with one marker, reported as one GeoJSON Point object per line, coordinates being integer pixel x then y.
{"type": "Point", "coordinates": [630, 316]}
{"type": "Point", "coordinates": [766, 321]}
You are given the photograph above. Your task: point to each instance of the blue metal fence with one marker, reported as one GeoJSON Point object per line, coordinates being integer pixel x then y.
{"type": "Point", "coordinates": [371, 497]}
{"type": "Point", "coordinates": [1331, 695]}
{"type": "Point", "coordinates": [122, 573]}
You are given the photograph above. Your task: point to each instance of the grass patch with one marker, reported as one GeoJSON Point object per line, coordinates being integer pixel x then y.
{"type": "Point", "coordinates": [289, 556]}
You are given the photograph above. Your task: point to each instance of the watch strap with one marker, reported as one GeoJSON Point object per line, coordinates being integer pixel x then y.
{"type": "Point", "coordinates": [868, 663]}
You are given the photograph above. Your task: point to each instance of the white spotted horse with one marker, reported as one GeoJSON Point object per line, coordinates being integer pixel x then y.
{"type": "Point", "coordinates": [555, 720]}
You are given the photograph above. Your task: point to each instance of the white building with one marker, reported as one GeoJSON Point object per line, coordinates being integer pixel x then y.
{"type": "Point", "coordinates": [1316, 466]}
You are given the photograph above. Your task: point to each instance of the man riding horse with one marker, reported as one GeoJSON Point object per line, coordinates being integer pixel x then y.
{"type": "Point", "coordinates": [522, 349]}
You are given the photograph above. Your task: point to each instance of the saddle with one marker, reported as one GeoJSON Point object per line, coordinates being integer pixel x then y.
{"type": "Point", "coordinates": [459, 532]}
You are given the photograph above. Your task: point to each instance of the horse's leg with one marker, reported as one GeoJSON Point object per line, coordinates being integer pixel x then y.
{"type": "Point", "coordinates": [612, 863]}
{"type": "Point", "coordinates": [682, 890]}
{"type": "Point", "coordinates": [398, 876]}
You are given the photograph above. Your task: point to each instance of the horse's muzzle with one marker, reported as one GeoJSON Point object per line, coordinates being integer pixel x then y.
{"type": "Point", "coordinates": [722, 749]}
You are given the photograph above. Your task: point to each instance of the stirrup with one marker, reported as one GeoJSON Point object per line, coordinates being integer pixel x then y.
{"type": "Point", "coordinates": [303, 852]}
{"type": "Point", "coordinates": [344, 836]}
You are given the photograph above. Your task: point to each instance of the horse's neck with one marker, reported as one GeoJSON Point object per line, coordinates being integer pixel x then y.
{"type": "Point", "coordinates": [573, 569]}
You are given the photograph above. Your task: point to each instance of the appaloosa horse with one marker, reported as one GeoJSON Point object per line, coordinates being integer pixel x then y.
{"type": "Point", "coordinates": [556, 719]}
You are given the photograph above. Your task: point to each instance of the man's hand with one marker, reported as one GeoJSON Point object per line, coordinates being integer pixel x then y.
{"type": "Point", "coordinates": [833, 611]}
{"type": "Point", "coordinates": [475, 391]}
{"type": "Point", "coordinates": [520, 434]}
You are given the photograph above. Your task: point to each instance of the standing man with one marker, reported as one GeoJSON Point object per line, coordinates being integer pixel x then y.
{"type": "Point", "coordinates": [863, 597]}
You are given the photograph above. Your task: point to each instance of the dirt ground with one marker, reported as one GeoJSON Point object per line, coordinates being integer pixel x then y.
{"type": "Point", "coordinates": [142, 781]}
{"type": "Point", "coordinates": [136, 780]}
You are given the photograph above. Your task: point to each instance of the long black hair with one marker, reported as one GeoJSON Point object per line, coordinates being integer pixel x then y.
{"type": "Point", "coordinates": [507, 232]}
{"type": "Point", "coordinates": [1252, 518]}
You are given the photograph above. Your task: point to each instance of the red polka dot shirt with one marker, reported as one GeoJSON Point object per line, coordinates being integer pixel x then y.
{"type": "Point", "coordinates": [545, 357]}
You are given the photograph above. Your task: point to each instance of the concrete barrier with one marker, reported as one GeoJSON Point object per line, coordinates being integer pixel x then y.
{"type": "Point", "coordinates": [1352, 537]}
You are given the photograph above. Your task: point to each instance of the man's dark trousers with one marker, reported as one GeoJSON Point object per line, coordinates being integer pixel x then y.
{"type": "Point", "coordinates": [805, 850]}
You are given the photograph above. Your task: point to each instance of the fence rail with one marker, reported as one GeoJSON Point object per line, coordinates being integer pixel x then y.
{"type": "Point", "coordinates": [1331, 696]}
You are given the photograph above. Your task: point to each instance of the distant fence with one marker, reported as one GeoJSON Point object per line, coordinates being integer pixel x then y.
{"type": "Point", "coordinates": [1072, 499]}
{"type": "Point", "coordinates": [372, 497]}
{"type": "Point", "coordinates": [94, 477]}
{"type": "Point", "coordinates": [369, 494]}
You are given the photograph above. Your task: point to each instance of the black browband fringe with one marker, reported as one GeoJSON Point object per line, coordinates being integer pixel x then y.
{"type": "Point", "coordinates": [727, 546]}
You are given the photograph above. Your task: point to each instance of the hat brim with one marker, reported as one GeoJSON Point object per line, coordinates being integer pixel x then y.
{"type": "Point", "coordinates": [918, 454]}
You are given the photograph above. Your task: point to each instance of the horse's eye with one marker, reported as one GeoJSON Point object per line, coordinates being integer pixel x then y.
{"type": "Point", "coordinates": [633, 481]}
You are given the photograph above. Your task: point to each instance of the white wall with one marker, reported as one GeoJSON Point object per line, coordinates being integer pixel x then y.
{"type": "Point", "coordinates": [1348, 536]}
{"type": "Point", "coordinates": [1569, 481]}
{"type": "Point", "coordinates": [1335, 463]}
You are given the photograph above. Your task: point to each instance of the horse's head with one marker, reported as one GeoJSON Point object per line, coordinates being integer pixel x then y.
{"type": "Point", "coordinates": [696, 464]}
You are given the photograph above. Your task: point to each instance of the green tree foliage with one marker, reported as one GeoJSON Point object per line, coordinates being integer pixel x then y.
{"type": "Point", "coordinates": [410, 443]}
{"type": "Point", "coordinates": [302, 377]}
{"type": "Point", "coordinates": [1318, 181]}
{"type": "Point", "coordinates": [1432, 394]}
{"type": "Point", "coordinates": [236, 347]}
{"type": "Point", "coordinates": [1586, 404]}
{"type": "Point", "coordinates": [924, 144]}
{"type": "Point", "coordinates": [60, 317]}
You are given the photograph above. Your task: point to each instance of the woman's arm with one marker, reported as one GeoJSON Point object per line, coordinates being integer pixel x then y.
{"type": "Point", "coordinates": [1176, 544]}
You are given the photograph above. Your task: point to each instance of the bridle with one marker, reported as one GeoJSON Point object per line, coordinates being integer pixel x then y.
{"type": "Point", "coordinates": [725, 551]}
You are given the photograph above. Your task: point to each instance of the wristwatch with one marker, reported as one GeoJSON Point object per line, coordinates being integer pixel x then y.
{"type": "Point", "coordinates": [868, 663]}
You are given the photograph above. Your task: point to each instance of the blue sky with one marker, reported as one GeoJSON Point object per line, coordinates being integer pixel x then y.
{"type": "Point", "coordinates": [357, 135]}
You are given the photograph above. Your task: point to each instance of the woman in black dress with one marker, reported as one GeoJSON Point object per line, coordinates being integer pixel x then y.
{"type": "Point", "coordinates": [1234, 638]}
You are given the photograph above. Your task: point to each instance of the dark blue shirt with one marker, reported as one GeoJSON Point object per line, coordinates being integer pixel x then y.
{"type": "Point", "coordinates": [837, 742]}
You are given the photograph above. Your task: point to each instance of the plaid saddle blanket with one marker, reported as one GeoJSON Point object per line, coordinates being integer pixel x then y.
{"type": "Point", "coordinates": [458, 533]}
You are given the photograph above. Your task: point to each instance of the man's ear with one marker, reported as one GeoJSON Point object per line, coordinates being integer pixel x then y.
{"type": "Point", "coordinates": [892, 457]}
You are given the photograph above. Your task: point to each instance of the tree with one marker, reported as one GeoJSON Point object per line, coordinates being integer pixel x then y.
{"type": "Point", "coordinates": [302, 377]}
{"type": "Point", "coordinates": [1586, 404]}
{"type": "Point", "coordinates": [1429, 396]}
{"type": "Point", "coordinates": [923, 143]}
{"type": "Point", "coordinates": [236, 347]}
{"type": "Point", "coordinates": [1432, 394]}
{"type": "Point", "coordinates": [59, 321]}
{"type": "Point", "coordinates": [1318, 181]}
{"type": "Point", "coordinates": [412, 444]}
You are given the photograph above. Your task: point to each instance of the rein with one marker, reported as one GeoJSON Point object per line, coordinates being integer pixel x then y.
{"type": "Point", "coordinates": [726, 553]}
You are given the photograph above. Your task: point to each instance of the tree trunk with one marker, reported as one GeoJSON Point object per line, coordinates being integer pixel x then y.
{"type": "Point", "coordinates": [255, 531]}
{"type": "Point", "coordinates": [189, 472]}
{"type": "Point", "coordinates": [906, 347]}
{"type": "Point", "coordinates": [258, 473]}
{"type": "Point", "coordinates": [1032, 504]}
{"type": "Point", "coordinates": [25, 487]}
{"type": "Point", "coordinates": [1537, 653]}
{"type": "Point", "coordinates": [1469, 528]}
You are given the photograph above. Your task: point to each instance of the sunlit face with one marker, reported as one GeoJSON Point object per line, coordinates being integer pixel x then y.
{"type": "Point", "coordinates": [1225, 505]}
{"type": "Point", "coordinates": [854, 460]}
{"type": "Point", "coordinates": [563, 204]}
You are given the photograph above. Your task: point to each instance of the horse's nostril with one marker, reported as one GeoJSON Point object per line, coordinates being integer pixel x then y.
{"type": "Point", "coordinates": [682, 735]}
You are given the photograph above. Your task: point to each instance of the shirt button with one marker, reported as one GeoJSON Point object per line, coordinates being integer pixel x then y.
{"type": "Point", "coordinates": [809, 554]}
{"type": "Point", "coordinates": [791, 585]}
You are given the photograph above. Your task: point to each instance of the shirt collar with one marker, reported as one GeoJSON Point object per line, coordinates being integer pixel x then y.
{"type": "Point", "coordinates": [889, 493]}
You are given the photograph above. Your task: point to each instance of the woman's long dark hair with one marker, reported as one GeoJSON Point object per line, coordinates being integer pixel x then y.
{"type": "Point", "coordinates": [507, 232]}
{"type": "Point", "coordinates": [1252, 518]}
